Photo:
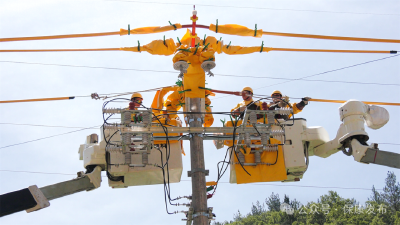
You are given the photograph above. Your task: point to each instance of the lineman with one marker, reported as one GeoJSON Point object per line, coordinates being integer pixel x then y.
{"type": "Point", "coordinates": [247, 95]}
{"type": "Point", "coordinates": [136, 101]}
{"type": "Point", "coordinates": [278, 101]}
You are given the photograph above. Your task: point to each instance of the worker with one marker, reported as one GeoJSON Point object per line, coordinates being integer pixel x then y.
{"type": "Point", "coordinates": [278, 101]}
{"type": "Point", "coordinates": [247, 103]}
{"type": "Point", "coordinates": [136, 101]}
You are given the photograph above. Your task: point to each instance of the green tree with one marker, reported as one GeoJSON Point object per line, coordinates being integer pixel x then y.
{"type": "Point", "coordinates": [273, 202]}
{"type": "Point", "coordinates": [391, 192]}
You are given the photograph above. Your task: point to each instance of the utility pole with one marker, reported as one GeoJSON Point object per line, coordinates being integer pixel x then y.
{"type": "Point", "coordinates": [198, 172]}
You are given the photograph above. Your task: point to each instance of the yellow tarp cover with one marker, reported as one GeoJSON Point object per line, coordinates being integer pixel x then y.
{"type": "Point", "coordinates": [150, 30]}
{"type": "Point", "coordinates": [259, 173]}
{"type": "Point", "coordinates": [262, 173]}
{"type": "Point", "coordinates": [235, 29]}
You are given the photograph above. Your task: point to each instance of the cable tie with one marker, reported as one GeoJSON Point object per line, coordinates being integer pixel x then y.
{"type": "Point", "coordinates": [129, 29]}
{"type": "Point", "coordinates": [180, 92]}
{"type": "Point", "coordinates": [183, 49]}
{"type": "Point", "coordinates": [179, 41]}
{"type": "Point", "coordinates": [262, 46]}
{"type": "Point", "coordinates": [204, 40]}
{"type": "Point", "coordinates": [172, 25]}
{"type": "Point", "coordinates": [255, 31]}
{"type": "Point", "coordinates": [205, 47]}
{"type": "Point", "coordinates": [138, 47]}
{"type": "Point", "coordinates": [216, 27]}
{"type": "Point", "coordinates": [164, 41]}
{"type": "Point", "coordinates": [228, 45]}
{"type": "Point", "coordinates": [196, 49]}
{"type": "Point", "coordinates": [204, 88]}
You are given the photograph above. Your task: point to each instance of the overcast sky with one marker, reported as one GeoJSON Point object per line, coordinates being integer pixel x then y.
{"type": "Point", "coordinates": [21, 78]}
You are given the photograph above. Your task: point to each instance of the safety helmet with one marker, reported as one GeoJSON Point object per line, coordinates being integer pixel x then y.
{"type": "Point", "coordinates": [248, 89]}
{"type": "Point", "coordinates": [276, 92]}
{"type": "Point", "coordinates": [136, 95]}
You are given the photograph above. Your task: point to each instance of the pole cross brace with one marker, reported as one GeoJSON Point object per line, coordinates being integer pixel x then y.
{"type": "Point", "coordinates": [206, 172]}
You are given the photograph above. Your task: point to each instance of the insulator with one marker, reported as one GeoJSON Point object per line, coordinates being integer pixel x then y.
{"type": "Point", "coordinates": [241, 157]}
{"type": "Point", "coordinates": [145, 139]}
{"type": "Point", "coordinates": [271, 118]}
{"type": "Point", "coordinates": [127, 118]}
{"type": "Point", "coordinates": [112, 110]}
{"type": "Point", "coordinates": [270, 148]}
{"type": "Point", "coordinates": [145, 158]}
{"type": "Point", "coordinates": [264, 139]}
{"type": "Point", "coordinates": [284, 111]}
{"type": "Point", "coordinates": [277, 133]}
{"type": "Point", "coordinates": [257, 157]}
{"type": "Point", "coordinates": [128, 158]}
{"type": "Point", "coordinates": [247, 140]}
{"type": "Point", "coordinates": [126, 138]}
{"type": "Point", "coordinates": [253, 118]}
{"type": "Point", "coordinates": [146, 118]}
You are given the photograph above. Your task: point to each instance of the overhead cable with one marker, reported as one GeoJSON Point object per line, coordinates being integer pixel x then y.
{"type": "Point", "coordinates": [41, 125]}
{"type": "Point", "coordinates": [279, 185]}
{"type": "Point", "coordinates": [47, 137]}
{"type": "Point", "coordinates": [259, 8]}
{"type": "Point", "coordinates": [265, 50]}
{"type": "Point", "coordinates": [227, 75]}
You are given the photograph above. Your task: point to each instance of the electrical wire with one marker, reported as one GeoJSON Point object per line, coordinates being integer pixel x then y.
{"type": "Point", "coordinates": [278, 185]}
{"type": "Point", "coordinates": [330, 71]}
{"type": "Point", "coordinates": [40, 125]}
{"type": "Point", "coordinates": [47, 137]}
{"type": "Point", "coordinates": [217, 74]}
{"type": "Point", "coordinates": [259, 8]}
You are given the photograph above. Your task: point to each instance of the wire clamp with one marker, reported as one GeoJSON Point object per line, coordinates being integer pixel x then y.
{"type": "Point", "coordinates": [129, 29]}
{"type": "Point", "coordinates": [206, 172]}
{"type": "Point", "coordinates": [95, 96]}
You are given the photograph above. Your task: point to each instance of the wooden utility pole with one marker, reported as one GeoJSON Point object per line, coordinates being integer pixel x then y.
{"type": "Point", "coordinates": [198, 172]}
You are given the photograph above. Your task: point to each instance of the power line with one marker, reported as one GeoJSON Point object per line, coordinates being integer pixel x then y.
{"type": "Point", "coordinates": [48, 137]}
{"type": "Point", "coordinates": [260, 8]}
{"type": "Point", "coordinates": [227, 75]}
{"type": "Point", "coordinates": [40, 125]}
{"type": "Point", "coordinates": [279, 185]}
{"type": "Point", "coordinates": [330, 71]}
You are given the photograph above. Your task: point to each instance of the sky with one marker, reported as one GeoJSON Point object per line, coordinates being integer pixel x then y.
{"type": "Point", "coordinates": [56, 159]}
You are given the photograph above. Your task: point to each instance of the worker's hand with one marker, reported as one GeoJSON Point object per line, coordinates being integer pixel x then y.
{"type": "Point", "coordinates": [305, 100]}
{"type": "Point", "coordinates": [242, 108]}
{"type": "Point", "coordinates": [264, 106]}
{"type": "Point", "coordinates": [282, 104]}
{"type": "Point", "coordinates": [236, 112]}
{"type": "Point", "coordinates": [131, 105]}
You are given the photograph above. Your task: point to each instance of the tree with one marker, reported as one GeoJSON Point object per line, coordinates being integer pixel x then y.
{"type": "Point", "coordinates": [391, 192]}
{"type": "Point", "coordinates": [257, 209]}
{"type": "Point", "coordinates": [273, 202]}
{"type": "Point", "coordinates": [376, 196]}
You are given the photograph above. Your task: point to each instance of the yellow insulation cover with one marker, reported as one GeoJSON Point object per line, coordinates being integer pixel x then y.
{"type": "Point", "coordinates": [150, 30]}
{"type": "Point", "coordinates": [235, 29]}
{"type": "Point", "coordinates": [262, 173]}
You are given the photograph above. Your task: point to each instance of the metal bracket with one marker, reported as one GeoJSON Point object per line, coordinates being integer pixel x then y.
{"type": "Point", "coordinates": [206, 172]}
{"type": "Point", "coordinates": [192, 120]}
{"type": "Point", "coordinates": [200, 214]}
